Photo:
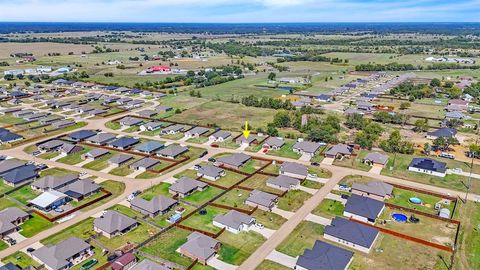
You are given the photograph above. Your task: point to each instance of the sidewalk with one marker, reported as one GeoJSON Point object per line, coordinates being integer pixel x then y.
{"type": "Point", "coordinates": [282, 259]}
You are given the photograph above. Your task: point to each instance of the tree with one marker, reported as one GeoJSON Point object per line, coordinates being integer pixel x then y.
{"type": "Point", "coordinates": [421, 125]}
{"type": "Point", "coordinates": [356, 120]}
{"type": "Point", "coordinates": [281, 119]}
{"type": "Point", "coordinates": [8, 77]}
{"type": "Point", "coordinates": [405, 105]}
{"type": "Point", "coordinates": [435, 82]}
{"type": "Point", "coordinates": [443, 143]}
{"type": "Point", "coordinates": [272, 76]}
{"type": "Point", "coordinates": [427, 149]}
{"type": "Point", "coordinates": [395, 144]}
{"type": "Point", "coordinates": [272, 131]}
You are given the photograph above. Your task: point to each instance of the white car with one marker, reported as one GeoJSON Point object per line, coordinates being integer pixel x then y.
{"type": "Point", "coordinates": [260, 226]}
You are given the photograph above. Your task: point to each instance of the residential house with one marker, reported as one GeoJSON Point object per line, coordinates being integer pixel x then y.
{"type": "Point", "coordinates": [68, 148]}
{"type": "Point", "coordinates": [49, 200]}
{"type": "Point", "coordinates": [172, 151]}
{"type": "Point", "coordinates": [352, 234]}
{"type": "Point", "coordinates": [376, 159]}
{"type": "Point", "coordinates": [94, 154]}
{"type": "Point", "coordinates": [324, 256]}
{"type": "Point", "coordinates": [63, 255]}
{"type": "Point", "coordinates": [101, 138]}
{"type": "Point", "coordinates": [234, 161]}
{"type": "Point", "coordinates": [147, 113]}
{"type": "Point", "coordinates": [363, 208]}
{"type": "Point", "coordinates": [163, 108]}
{"type": "Point", "coordinates": [151, 126]}
{"type": "Point", "coordinates": [262, 200]}
{"type": "Point", "coordinates": [158, 205]}
{"type": "Point", "coordinates": [9, 266]}
{"type": "Point", "coordinates": [241, 140]}
{"type": "Point", "coordinates": [173, 129]}
{"type": "Point", "coordinates": [377, 190]}
{"type": "Point", "coordinates": [210, 172]}
{"type": "Point", "coordinates": [274, 143]}
{"type": "Point", "coordinates": [200, 247]}
{"type": "Point", "coordinates": [196, 132]}
{"type": "Point", "coordinates": [124, 143]}
{"type": "Point", "coordinates": [441, 132]}
{"type": "Point", "coordinates": [51, 145]}
{"type": "Point", "coordinates": [130, 122]}
{"type": "Point", "coordinates": [457, 105]}
{"type": "Point", "coordinates": [53, 182]}
{"type": "Point", "coordinates": [20, 175]}
{"type": "Point", "coordinates": [428, 166]}
{"type": "Point", "coordinates": [306, 147]}
{"type": "Point", "coordinates": [234, 221]}
{"type": "Point", "coordinates": [7, 136]}
{"type": "Point", "coordinates": [144, 164]}
{"type": "Point", "coordinates": [119, 160]}
{"type": "Point", "coordinates": [10, 219]}
{"type": "Point", "coordinates": [283, 182]}
{"type": "Point", "coordinates": [128, 261]}
{"type": "Point", "coordinates": [220, 136]}
{"type": "Point", "coordinates": [113, 223]}
{"type": "Point", "coordinates": [9, 165]}
{"type": "Point", "coordinates": [186, 186]}
{"type": "Point", "coordinates": [80, 189]}
{"type": "Point", "coordinates": [63, 124]}
{"type": "Point", "coordinates": [293, 169]}
{"type": "Point", "coordinates": [149, 147]}
{"type": "Point", "coordinates": [339, 151]}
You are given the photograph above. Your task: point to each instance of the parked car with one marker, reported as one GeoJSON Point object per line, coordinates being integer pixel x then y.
{"type": "Point", "coordinates": [36, 153]}
{"type": "Point", "coordinates": [214, 145]}
{"type": "Point", "coordinates": [447, 155]}
{"type": "Point", "coordinates": [204, 153]}
{"type": "Point", "coordinates": [197, 167]}
{"type": "Point", "coordinates": [212, 159]}
{"type": "Point", "coordinates": [260, 226]}
{"type": "Point", "coordinates": [315, 164]}
{"type": "Point", "coordinates": [343, 187]}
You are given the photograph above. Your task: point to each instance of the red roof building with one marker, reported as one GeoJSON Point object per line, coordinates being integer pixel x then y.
{"type": "Point", "coordinates": [159, 69]}
{"type": "Point", "coordinates": [126, 261]}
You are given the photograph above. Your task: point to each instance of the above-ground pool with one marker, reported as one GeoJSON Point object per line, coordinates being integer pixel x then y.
{"type": "Point", "coordinates": [399, 217]}
{"type": "Point", "coordinates": [415, 200]}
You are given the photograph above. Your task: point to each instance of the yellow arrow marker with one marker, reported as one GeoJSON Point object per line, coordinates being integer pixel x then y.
{"type": "Point", "coordinates": [246, 132]}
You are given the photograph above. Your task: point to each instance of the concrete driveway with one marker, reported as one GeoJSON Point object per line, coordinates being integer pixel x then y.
{"type": "Point", "coordinates": [220, 265]}
{"type": "Point", "coordinates": [267, 233]}
{"type": "Point", "coordinates": [282, 259]}
{"type": "Point", "coordinates": [305, 157]}
{"type": "Point", "coordinates": [283, 213]}
{"type": "Point", "coordinates": [318, 219]}
{"type": "Point", "coordinates": [328, 161]}
{"type": "Point", "coordinates": [376, 169]}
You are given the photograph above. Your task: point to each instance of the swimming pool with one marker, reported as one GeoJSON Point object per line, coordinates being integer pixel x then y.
{"type": "Point", "coordinates": [415, 200]}
{"type": "Point", "coordinates": [399, 217]}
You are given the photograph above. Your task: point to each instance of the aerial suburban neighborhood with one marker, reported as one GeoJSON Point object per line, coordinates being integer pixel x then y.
{"type": "Point", "coordinates": [307, 146]}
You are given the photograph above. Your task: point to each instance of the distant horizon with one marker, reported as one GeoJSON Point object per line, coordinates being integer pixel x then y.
{"type": "Point", "coordinates": [252, 11]}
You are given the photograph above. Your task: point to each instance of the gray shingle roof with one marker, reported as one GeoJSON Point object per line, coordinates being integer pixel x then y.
{"type": "Point", "coordinates": [186, 185]}
{"type": "Point", "coordinates": [364, 206]}
{"type": "Point", "coordinates": [221, 134]}
{"type": "Point", "coordinates": [262, 198]}
{"type": "Point", "coordinates": [307, 146]}
{"type": "Point", "coordinates": [54, 181]}
{"type": "Point", "coordinates": [295, 168]}
{"type": "Point", "coordinates": [159, 203]}
{"type": "Point", "coordinates": [200, 246]}
{"type": "Point", "coordinates": [197, 131]}
{"type": "Point", "coordinates": [120, 159]}
{"type": "Point", "coordinates": [233, 219]}
{"type": "Point", "coordinates": [8, 216]}
{"type": "Point", "coordinates": [376, 157]}
{"type": "Point", "coordinates": [283, 181]}
{"type": "Point", "coordinates": [56, 256]}
{"type": "Point", "coordinates": [379, 188]}
{"type": "Point", "coordinates": [210, 170]}
{"type": "Point", "coordinates": [80, 187]}
{"type": "Point", "coordinates": [10, 164]}
{"type": "Point", "coordinates": [173, 150]}
{"type": "Point", "coordinates": [339, 149]}
{"type": "Point", "coordinates": [236, 160]}
{"type": "Point", "coordinates": [443, 132]}
{"type": "Point", "coordinates": [144, 163]}
{"type": "Point", "coordinates": [148, 265]}
{"type": "Point", "coordinates": [112, 222]}
{"type": "Point", "coordinates": [351, 231]}
{"type": "Point", "coordinates": [325, 256]}
{"type": "Point", "coordinates": [274, 141]}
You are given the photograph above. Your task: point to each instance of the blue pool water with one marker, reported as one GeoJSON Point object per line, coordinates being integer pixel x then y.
{"type": "Point", "coordinates": [399, 217]}
{"type": "Point", "coordinates": [415, 200]}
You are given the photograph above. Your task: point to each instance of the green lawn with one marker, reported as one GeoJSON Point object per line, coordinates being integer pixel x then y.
{"type": "Point", "coordinates": [302, 237]}
{"type": "Point", "coordinates": [113, 125]}
{"type": "Point", "coordinates": [329, 208]}
{"type": "Point", "coordinates": [83, 230]}
{"type": "Point", "coordinates": [312, 184]}
{"type": "Point", "coordinates": [468, 250]}
{"type": "Point", "coordinates": [4, 187]}
{"type": "Point", "coordinates": [24, 194]}
{"type": "Point", "coordinates": [48, 155]}
{"type": "Point", "coordinates": [293, 200]}
{"type": "Point", "coordinates": [259, 181]}
{"type": "Point", "coordinates": [75, 158]}
{"type": "Point", "coordinates": [6, 203]}
{"type": "Point", "coordinates": [21, 259]}
{"type": "Point", "coordinates": [235, 198]}
{"type": "Point", "coordinates": [135, 236]}
{"type": "Point", "coordinates": [354, 162]}
{"type": "Point", "coordinates": [166, 244]}
{"type": "Point", "coordinates": [205, 222]}
{"type": "Point", "coordinates": [3, 245]}
{"type": "Point", "coordinates": [34, 225]}
{"type": "Point", "coordinates": [268, 219]}
{"type": "Point", "coordinates": [98, 164]}
{"type": "Point", "coordinates": [401, 197]}
{"type": "Point", "coordinates": [115, 187]}
{"type": "Point", "coordinates": [286, 150]}
{"type": "Point", "coordinates": [201, 197]}
{"type": "Point", "coordinates": [451, 181]}
{"type": "Point", "coordinates": [236, 248]}
{"type": "Point", "coordinates": [160, 189]}
{"type": "Point", "coordinates": [269, 265]}
{"type": "Point", "coordinates": [121, 171]}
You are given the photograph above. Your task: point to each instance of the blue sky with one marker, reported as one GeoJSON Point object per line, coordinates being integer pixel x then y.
{"type": "Point", "coordinates": [240, 10]}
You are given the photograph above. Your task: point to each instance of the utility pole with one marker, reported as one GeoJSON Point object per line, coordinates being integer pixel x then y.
{"type": "Point", "coordinates": [469, 184]}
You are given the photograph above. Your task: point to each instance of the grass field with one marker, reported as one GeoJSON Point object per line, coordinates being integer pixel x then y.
{"type": "Point", "coordinates": [401, 197]}
{"type": "Point", "coordinates": [205, 222]}
{"type": "Point", "coordinates": [269, 265]}
{"type": "Point", "coordinates": [293, 200]}
{"type": "Point", "coordinates": [160, 189]}
{"type": "Point", "coordinates": [21, 259]}
{"type": "Point", "coordinates": [268, 219]}
{"type": "Point", "coordinates": [235, 198]}
{"type": "Point", "coordinates": [302, 237]}
{"type": "Point", "coordinates": [468, 247]}
{"type": "Point", "coordinates": [236, 248]}
{"type": "Point", "coordinates": [285, 151]}
{"type": "Point", "coordinates": [329, 208]}
{"type": "Point", "coordinates": [227, 115]}
{"type": "Point", "coordinates": [166, 244]}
